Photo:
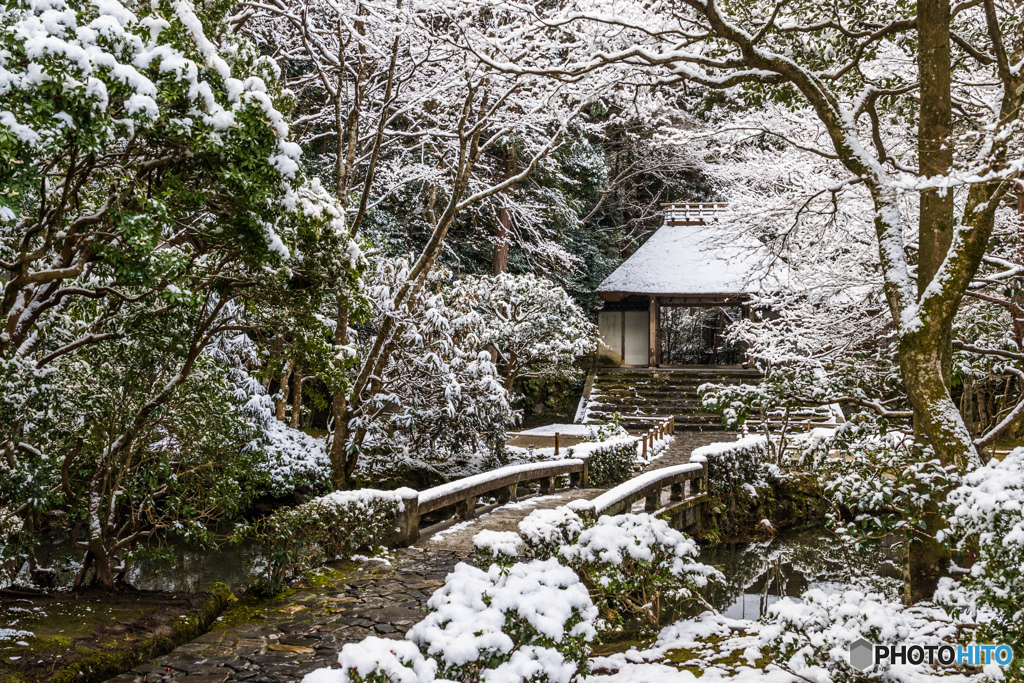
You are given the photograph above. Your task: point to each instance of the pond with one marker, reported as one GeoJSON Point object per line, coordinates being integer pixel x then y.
{"type": "Point", "coordinates": [182, 569]}
{"type": "Point", "coordinates": [761, 573]}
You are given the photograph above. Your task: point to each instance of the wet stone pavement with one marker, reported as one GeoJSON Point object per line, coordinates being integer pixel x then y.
{"type": "Point", "coordinates": [291, 636]}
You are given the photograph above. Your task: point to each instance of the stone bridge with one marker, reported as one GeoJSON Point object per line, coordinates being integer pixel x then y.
{"type": "Point", "coordinates": [291, 636]}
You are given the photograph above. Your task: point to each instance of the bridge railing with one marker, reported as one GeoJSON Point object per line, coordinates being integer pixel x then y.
{"type": "Point", "coordinates": [463, 493]}
{"type": "Point", "coordinates": [687, 485]}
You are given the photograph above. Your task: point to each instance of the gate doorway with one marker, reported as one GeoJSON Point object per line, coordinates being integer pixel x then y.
{"type": "Point", "coordinates": [695, 335]}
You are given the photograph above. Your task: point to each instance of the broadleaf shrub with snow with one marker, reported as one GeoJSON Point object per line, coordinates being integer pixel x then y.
{"type": "Point", "coordinates": [988, 517]}
{"type": "Point", "coordinates": [810, 637]}
{"type": "Point", "coordinates": [440, 399]}
{"type": "Point", "coordinates": [297, 539]}
{"type": "Point", "coordinates": [545, 531]}
{"type": "Point", "coordinates": [737, 466]}
{"type": "Point", "coordinates": [634, 563]}
{"type": "Point", "coordinates": [880, 475]}
{"type": "Point", "coordinates": [496, 547]}
{"type": "Point", "coordinates": [534, 327]}
{"type": "Point", "coordinates": [530, 622]}
{"type": "Point", "coordinates": [378, 660]}
{"type": "Point", "coordinates": [611, 462]}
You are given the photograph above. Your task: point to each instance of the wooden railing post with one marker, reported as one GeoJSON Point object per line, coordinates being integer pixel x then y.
{"type": "Point", "coordinates": [644, 439]}
{"type": "Point", "coordinates": [556, 443]}
{"type": "Point", "coordinates": [672, 425]}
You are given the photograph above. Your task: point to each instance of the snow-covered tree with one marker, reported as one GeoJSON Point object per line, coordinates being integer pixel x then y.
{"type": "Point", "coordinates": [149, 181]}
{"type": "Point", "coordinates": [533, 326]}
{"type": "Point", "coordinates": [440, 399]}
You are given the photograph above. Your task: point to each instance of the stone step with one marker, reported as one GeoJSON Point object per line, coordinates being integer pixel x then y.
{"type": "Point", "coordinates": [691, 384]}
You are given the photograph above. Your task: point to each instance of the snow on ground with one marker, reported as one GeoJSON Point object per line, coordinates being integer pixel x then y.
{"type": "Point", "coordinates": [13, 633]}
{"type": "Point", "coordinates": [561, 429]}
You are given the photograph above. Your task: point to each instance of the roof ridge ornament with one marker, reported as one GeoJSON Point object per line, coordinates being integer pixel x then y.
{"type": "Point", "coordinates": [692, 213]}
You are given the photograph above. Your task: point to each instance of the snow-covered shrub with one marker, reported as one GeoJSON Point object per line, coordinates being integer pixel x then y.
{"type": "Point", "coordinates": [496, 547]}
{"type": "Point", "coordinates": [297, 539]}
{"type": "Point", "coordinates": [604, 431]}
{"type": "Point", "coordinates": [530, 622]}
{"type": "Point", "coordinates": [611, 461]}
{"type": "Point", "coordinates": [988, 516]}
{"type": "Point", "coordinates": [879, 474]}
{"type": "Point", "coordinates": [545, 531]}
{"type": "Point", "coordinates": [633, 563]}
{"type": "Point", "coordinates": [811, 637]}
{"type": "Point", "coordinates": [534, 327]}
{"type": "Point", "coordinates": [736, 466]}
{"type": "Point", "coordinates": [440, 399]}
{"type": "Point", "coordinates": [378, 660]}
{"type": "Point", "coordinates": [287, 459]}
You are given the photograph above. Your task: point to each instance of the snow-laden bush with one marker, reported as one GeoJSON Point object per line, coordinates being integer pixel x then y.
{"type": "Point", "coordinates": [611, 461]}
{"type": "Point", "coordinates": [545, 531]}
{"type": "Point", "coordinates": [810, 637]}
{"type": "Point", "coordinates": [287, 460]}
{"type": "Point", "coordinates": [440, 399]}
{"type": "Point", "coordinates": [534, 327]}
{"type": "Point", "coordinates": [529, 622]}
{"type": "Point", "coordinates": [988, 516]}
{"type": "Point", "coordinates": [496, 547]}
{"type": "Point", "coordinates": [634, 563]}
{"type": "Point", "coordinates": [297, 539]}
{"type": "Point", "coordinates": [378, 660]}
{"type": "Point", "coordinates": [736, 466]}
{"type": "Point", "coordinates": [881, 475]}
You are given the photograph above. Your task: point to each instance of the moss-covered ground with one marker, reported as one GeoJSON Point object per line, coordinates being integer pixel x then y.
{"type": "Point", "coordinates": [91, 635]}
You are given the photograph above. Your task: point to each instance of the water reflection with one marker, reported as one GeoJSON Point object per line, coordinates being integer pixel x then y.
{"type": "Point", "coordinates": [189, 570]}
{"type": "Point", "coordinates": [182, 569]}
{"type": "Point", "coordinates": [760, 574]}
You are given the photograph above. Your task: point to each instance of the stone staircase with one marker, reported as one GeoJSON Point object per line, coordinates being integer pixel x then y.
{"type": "Point", "coordinates": [641, 394]}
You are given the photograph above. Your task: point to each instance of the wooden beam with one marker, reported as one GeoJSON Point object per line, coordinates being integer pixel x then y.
{"type": "Point", "coordinates": [652, 337]}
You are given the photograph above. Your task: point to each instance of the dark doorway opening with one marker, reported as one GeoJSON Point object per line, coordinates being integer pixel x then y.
{"type": "Point", "coordinates": [695, 335]}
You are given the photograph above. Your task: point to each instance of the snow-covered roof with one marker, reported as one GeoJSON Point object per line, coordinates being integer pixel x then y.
{"type": "Point", "coordinates": [686, 259]}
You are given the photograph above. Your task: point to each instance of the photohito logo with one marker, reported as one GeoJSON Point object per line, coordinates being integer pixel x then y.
{"type": "Point", "coordinates": [864, 654]}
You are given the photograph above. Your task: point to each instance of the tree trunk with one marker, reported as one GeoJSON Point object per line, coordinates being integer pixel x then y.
{"type": "Point", "coordinates": [101, 559]}
{"type": "Point", "coordinates": [282, 402]}
{"type": "Point", "coordinates": [296, 396]}
{"type": "Point", "coordinates": [276, 348]}
{"type": "Point", "coordinates": [500, 262]}
{"type": "Point", "coordinates": [926, 359]}
{"type": "Point", "coordinates": [339, 405]}
{"type": "Point", "coordinates": [936, 422]}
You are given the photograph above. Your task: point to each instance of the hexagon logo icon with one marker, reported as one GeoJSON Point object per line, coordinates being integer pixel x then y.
{"type": "Point", "coordinates": [862, 654]}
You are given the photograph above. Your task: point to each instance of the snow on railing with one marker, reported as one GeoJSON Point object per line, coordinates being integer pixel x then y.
{"type": "Point", "coordinates": [649, 486]}
{"type": "Point", "coordinates": [692, 213]}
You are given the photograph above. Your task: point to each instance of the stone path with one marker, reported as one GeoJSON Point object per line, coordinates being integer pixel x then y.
{"type": "Point", "coordinates": [678, 452]}
{"type": "Point", "coordinates": [291, 636]}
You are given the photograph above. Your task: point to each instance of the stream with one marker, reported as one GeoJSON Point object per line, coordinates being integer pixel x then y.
{"type": "Point", "coordinates": [759, 574]}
